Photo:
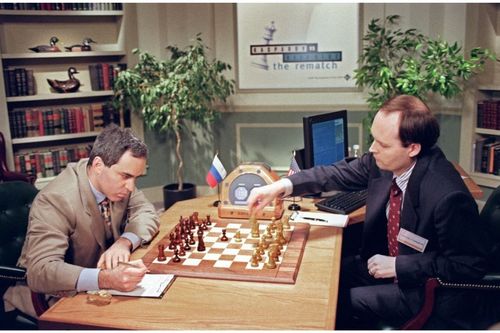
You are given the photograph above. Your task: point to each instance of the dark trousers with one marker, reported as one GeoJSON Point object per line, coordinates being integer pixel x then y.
{"type": "Point", "coordinates": [368, 303]}
{"type": "Point", "coordinates": [365, 302]}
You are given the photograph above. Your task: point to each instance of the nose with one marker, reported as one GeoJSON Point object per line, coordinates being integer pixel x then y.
{"type": "Point", "coordinates": [372, 148]}
{"type": "Point", "coordinates": [130, 184]}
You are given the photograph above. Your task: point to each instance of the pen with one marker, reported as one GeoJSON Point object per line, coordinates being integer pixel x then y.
{"type": "Point", "coordinates": [314, 219]}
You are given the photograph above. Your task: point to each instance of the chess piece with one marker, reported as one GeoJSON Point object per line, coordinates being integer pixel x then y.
{"type": "Point", "coordinates": [264, 242]}
{"type": "Point", "coordinates": [237, 237]}
{"type": "Point", "coordinates": [176, 256]}
{"type": "Point", "coordinates": [186, 245]}
{"type": "Point", "coordinates": [191, 239]}
{"type": "Point", "coordinates": [161, 252]}
{"type": "Point", "coordinates": [271, 263]}
{"type": "Point", "coordinates": [268, 232]}
{"type": "Point", "coordinates": [257, 255]}
{"type": "Point", "coordinates": [224, 237]}
{"type": "Point", "coordinates": [171, 246]}
{"type": "Point", "coordinates": [269, 30]}
{"type": "Point", "coordinates": [254, 262]}
{"type": "Point", "coordinates": [208, 220]}
{"type": "Point", "coordinates": [70, 85]}
{"type": "Point", "coordinates": [201, 243]}
{"type": "Point", "coordinates": [255, 227]}
{"type": "Point", "coordinates": [182, 252]}
{"type": "Point", "coordinates": [286, 222]}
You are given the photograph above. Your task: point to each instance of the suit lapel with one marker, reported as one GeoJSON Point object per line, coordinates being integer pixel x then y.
{"type": "Point", "coordinates": [90, 206]}
{"type": "Point", "coordinates": [409, 214]}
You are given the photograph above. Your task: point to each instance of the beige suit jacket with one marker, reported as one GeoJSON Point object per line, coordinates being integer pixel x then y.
{"type": "Point", "coordinates": [66, 231]}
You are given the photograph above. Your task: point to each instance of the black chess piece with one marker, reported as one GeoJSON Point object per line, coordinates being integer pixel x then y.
{"type": "Point", "coordinates": [191, 239]}
{"type": "Point", "coordinates": [171, 246]}
{"type": "Point", "coordinates": [208, 220]}
{"type": "Point", "coordinates": [186, 245]}
{"type": "Point", "coordinates": [224, 237]}
{"type": "Point", "coordinates": [182, 252]}
{"type": "Point", "coordinates": [161, 252]}
{"type": "Point", "coordinates": [176, 256]}
{"type": "Point", "coordinates": [201, 243]}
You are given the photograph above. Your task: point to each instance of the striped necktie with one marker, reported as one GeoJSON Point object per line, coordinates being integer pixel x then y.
{"type": "Point", "coordinates": [105, 211]}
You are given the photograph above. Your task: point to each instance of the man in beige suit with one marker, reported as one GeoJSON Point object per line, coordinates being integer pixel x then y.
{"type": "Point", "coordinates": [71, 244]}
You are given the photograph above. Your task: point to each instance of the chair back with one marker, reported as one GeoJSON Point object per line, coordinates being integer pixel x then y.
{"type": "Point", "coordinates": [490, 215]}
{"type": "Point", "coordinates": [15, 203]}
{"type": "Point", "coordinates": [3, 155]}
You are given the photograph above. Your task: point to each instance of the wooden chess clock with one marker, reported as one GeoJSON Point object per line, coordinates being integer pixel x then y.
{"type": "Point", "coordinates": [236, 189]}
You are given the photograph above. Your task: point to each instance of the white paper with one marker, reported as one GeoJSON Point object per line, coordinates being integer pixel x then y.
{"type": "Point", "coordinates": [152, 285]}
{"type": "Point", "coordinates": [323, 219]}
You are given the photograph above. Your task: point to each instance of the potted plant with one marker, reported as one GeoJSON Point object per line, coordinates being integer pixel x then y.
{"type": "Point", "coordinates": [187, 87]}
{"type": "Point", "coordinates": [407, 62]}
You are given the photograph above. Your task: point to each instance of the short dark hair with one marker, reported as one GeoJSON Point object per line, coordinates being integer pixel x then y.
{"type": "Point", "coordinates": [113, 142]}
{"type": "Point", "coordinates": [417, 124]}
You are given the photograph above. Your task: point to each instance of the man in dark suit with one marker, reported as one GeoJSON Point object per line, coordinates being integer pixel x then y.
{"type": "Point", "coordinates": [429, 226]}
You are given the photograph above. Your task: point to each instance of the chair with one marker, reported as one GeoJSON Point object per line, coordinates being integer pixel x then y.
{"type": "Point", "coordinates": [5, 174]}
{"type": "Point", "coordinates": [490, 214]}
{"type": "Point", "coordinates": [15, 202]}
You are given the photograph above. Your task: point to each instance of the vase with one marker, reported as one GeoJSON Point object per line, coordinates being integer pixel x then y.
{"type": "Point", "coordinates": [171, 193]}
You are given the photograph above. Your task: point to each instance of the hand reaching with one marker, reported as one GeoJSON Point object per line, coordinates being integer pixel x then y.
{"type": "Point", "coordinates": [260, 197]}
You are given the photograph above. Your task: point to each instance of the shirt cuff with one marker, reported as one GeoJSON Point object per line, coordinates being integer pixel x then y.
{"type": "Point", "coordinates": [287, 185]}
{"type": "Point", "coordinates": [88, 279]}
{"type": "Point", "coordinates": [133, 238]}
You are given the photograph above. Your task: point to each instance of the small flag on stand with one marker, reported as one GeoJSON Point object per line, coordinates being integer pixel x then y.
{"type": "Point", "coordinates": [294, 166]}
{"type": "Point", "coordinates": [217, 173]}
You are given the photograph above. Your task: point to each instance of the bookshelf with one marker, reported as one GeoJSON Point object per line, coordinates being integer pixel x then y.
{"type": "Point", "coordinates": [485, 161]}
{"type": "Point", "coordinates": [35, 120]}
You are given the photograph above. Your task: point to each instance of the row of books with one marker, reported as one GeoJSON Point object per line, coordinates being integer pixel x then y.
{"type": "Point", "coordinates": [32, 122]}
{"type": "Point", "coordinates": [19, 82]}
{"type": "Point", "coordinates": [48, 163]}
{"type": "Point", "coordinates": [102, 76]}
{"type": "Point", "coordinates": [488, 114]}
{"type": "Point", "coordinates": [62, 6]}
{"type": "Point", "coordinates": [487, 155]}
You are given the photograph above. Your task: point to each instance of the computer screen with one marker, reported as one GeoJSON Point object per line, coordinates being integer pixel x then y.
{"type": "Point", "coordinates": [325, 138]}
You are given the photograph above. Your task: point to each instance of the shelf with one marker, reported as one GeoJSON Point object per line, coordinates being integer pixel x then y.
{"type": "Point", "coordinates": [486, 179]}
{"type": "Point", "coordinates": [56, 137]}
{"type": "Point", "coordinates": [61, 12]}
{"type": "Point", "coordinates": [487, 131]}
{"type": "Point", "coordinates": [55, 96]}
{"type": "Point", "coordinates": [492, 87]}
{"type": "Point", "coordinates": [56, 55]}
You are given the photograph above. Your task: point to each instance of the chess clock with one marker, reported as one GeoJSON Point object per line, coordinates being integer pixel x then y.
{"type": "Point", "coordinates": [236, 189]}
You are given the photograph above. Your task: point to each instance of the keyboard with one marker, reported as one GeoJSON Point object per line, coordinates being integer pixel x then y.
{"type": "Point", "coordinates": [343, 202]}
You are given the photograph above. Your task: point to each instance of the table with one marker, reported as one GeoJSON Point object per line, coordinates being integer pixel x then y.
{"type": "Point", "coordinates": [192, 303]}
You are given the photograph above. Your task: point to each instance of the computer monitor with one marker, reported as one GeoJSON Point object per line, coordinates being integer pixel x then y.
{"type": "Point", "coordinates": [325, 138]}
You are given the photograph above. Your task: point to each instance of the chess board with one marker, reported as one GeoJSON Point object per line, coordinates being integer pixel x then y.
{"type": "Point", "coordinates": [230, 260]}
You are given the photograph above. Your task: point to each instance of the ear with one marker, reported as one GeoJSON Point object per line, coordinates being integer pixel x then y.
{"type": "Point", "coordinates": [98, 164]}
{"type": "Point", "coordinates": [414, 149]}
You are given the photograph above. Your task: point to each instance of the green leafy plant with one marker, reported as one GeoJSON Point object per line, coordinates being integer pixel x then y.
{"type": "Point", "coordinates": [167, 93]}
{"type": "Point", "coordinates": [395, 62]}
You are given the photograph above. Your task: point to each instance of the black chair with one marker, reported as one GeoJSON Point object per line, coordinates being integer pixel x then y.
{"type": "Point", "coordinates": [490, 214]}
{"type": "Point", "coordinates": [15, 202]}
{"type": "Point", "coordinates": [5, 174]}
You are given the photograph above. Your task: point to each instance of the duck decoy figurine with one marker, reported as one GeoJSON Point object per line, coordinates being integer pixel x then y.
{"type": "Point", "coordinates": [70, 85]}
{"type": "Point", "coordinates": [47, 48]}
{"type": "Point", "coordinates": [85, 46]}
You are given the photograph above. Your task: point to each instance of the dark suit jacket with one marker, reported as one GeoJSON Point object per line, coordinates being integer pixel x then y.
{"type": "Point", "coordinates": [437, 206]}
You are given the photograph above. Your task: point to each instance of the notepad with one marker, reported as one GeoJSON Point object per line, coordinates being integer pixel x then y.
{"type": "Point", "coordinates": [322, 219]}
{"type": "Point", "coordinates": [152, 285]}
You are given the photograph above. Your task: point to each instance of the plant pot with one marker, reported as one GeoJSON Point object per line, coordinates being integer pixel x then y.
{"type": "Point", "coordinates": [171, 194]}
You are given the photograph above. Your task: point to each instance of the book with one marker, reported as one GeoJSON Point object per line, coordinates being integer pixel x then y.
{"type": "Point", "coordinates": [152, 285]}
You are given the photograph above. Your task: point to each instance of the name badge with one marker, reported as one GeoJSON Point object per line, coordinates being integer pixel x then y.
{"type": "Point", "coordinates": [412, 240]}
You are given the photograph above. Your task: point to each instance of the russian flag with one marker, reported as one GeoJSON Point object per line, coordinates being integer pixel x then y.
{"type": "Point", "coordinates": [216, 173]}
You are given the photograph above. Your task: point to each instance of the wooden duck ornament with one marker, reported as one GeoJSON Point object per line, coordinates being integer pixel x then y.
{"type": "Point", "coordinates": [70, 85]}
{"type": "Point", "coordinates": [47, 48]}
{"type": "Point", "coordinates": [85, 46]}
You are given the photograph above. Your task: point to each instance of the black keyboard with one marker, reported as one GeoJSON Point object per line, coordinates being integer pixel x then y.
{"type": "Point", "coordinates": [343, 202]}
